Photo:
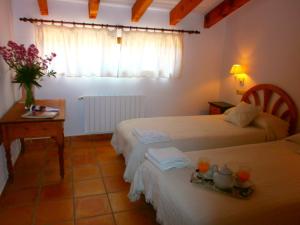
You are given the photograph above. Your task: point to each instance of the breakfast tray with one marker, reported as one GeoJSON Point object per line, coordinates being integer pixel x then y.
{"type": "Point", "coordinates": [235, 191]}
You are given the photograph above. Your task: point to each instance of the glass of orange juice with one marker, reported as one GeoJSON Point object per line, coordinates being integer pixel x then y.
{"type": "Point", "coordinates": [243, 174]}
{"type": "Point", "coordinates": [203, 165]}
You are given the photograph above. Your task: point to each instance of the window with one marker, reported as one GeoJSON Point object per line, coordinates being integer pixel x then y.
{"type": "Point", "coordinates": [95, 52]}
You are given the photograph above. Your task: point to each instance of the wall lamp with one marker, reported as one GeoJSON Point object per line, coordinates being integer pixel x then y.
{"type": "Point", "coordinates": [239, 73]}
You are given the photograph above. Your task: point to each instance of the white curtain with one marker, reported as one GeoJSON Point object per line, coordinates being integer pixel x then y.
{"type": "Point", "coordinates": [80, 51]}
{"type": "Point", "coordinates": [150, 54]}
{"type": "Point", "coordinates": [95, 52]}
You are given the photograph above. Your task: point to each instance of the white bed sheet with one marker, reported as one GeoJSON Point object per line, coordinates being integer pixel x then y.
{"type": "Point", "coordinates": [275, 172]}
{"type": "Point", "coordinates": [187, 133]}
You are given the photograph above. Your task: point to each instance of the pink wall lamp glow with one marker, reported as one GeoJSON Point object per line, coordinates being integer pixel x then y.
{"type": "Point", "coordinates": [239, 74]}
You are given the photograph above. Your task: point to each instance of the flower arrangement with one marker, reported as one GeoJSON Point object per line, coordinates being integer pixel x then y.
{"type": "Point", "coordinates": [29, 67]}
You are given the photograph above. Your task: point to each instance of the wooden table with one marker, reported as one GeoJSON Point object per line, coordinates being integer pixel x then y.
{"type": "Point", "coordinates": [13, 126]}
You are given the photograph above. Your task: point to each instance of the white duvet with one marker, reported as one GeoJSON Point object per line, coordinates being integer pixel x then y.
{"type": "Point", "coordinates": [275, 171]}
{"type": "Point", "coordinates": [187, 133]}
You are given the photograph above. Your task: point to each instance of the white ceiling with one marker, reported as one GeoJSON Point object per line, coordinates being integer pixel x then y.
{"type": "Point", "coordinates": [204, 7]}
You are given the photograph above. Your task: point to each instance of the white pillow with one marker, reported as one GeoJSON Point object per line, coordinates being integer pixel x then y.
{"type": "Point", "coordinates": [241, 115]}
{"type": "Point", "coordinates": [275, 127]}
{"type": "Point", "coordinates": [229, 110]}
{"type": "Point", "coordinates": [294, 138]}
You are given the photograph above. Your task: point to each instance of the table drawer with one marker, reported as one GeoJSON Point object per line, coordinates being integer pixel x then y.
{"type": "Point", "coordinates": [44, 129]}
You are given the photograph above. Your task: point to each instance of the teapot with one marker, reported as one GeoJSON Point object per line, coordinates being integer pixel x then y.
{"type": "Point", "coordinates": [223, 178]}
{"type": "Point", "coordinates": [210, 173]}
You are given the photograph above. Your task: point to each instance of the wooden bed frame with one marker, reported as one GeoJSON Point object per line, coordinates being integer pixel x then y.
{"type": "Point", "coordinates": [269, 90]}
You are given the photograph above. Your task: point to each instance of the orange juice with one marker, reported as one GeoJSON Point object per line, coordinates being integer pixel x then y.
{"type": "Point", "coordinates": [243, 175]}
{"type": "Point", "coordinates": [203, 166]}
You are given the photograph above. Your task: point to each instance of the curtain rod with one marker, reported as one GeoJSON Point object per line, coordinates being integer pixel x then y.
{"type": "Point", "coordinates": [33, 20]}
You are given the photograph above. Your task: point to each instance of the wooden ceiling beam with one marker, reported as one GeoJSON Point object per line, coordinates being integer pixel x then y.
{"type": "Point", "coordinates": [182, 9]}
{"type": "Point", "coordinates": [93, 8]}
{"type": "Point", "coordinates": [139, 8]}
{"type": "Point", "coordinates": [221, 11]}
{"type": "Point", "coordinates": [43, 5]}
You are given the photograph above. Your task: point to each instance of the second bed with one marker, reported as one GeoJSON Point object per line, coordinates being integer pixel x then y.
{"type": "Point", "coordinates": [188, 133]}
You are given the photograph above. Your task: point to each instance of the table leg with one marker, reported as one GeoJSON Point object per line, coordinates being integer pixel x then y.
{"type": "Point", "coordinates": [61, 160]}
{"type": "Point", "coordinates": [22, 145]}
{"type": "Point", "coordinates": [10, 168]}
{"type": "Point", "coordinates": [60, 142]}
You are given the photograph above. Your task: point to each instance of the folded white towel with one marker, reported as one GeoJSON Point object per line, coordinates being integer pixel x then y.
{"type": "Point", "coordinates": [167, 158]}
{"type": "Point", "coordinates": [150, 136]}
{"type": "Point", "coordinates": [166, 155]}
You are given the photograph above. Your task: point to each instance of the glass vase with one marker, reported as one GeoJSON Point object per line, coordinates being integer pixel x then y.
{"type": "Point", "coordinates": [29, 97]}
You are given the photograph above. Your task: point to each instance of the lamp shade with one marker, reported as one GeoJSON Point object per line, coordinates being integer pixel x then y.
{"type": "Point", "coordinates": [236, 69]}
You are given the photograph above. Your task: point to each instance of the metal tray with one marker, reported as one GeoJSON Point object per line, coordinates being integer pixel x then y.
{"type": "Point", "coordinates": [235, 191]}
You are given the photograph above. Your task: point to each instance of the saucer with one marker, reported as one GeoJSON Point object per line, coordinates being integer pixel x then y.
{"type": "Point", "coordinates": [208, 176]}
{"type": "Point", "coordinates": [246, 184]}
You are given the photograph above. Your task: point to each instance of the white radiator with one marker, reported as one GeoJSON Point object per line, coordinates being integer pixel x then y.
{"type": "Point", "coordinates": [103, 113]}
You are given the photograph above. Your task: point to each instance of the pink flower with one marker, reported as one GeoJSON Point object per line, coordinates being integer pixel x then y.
{"type": "Point", "coordinates": [12, 44]}
{"type": "Point", "coordinates": [19, 58]}
{"type": "Point", "coordinates": [33, 50]}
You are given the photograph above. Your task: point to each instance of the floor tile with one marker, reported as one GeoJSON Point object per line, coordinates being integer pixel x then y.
{"type": "Point", "coordinates": [105, 149]}
{"type": "Point", "coordinates": [36, 157]}
{"type": "Point", "coordinates": [54, 163]}
{"type": "Point", "coordinates": [23, 180]}
{"type": "Point", "coordinates": [22, 215]}
{"type": "Point", "coordinates": [89, 187]}
{"type": "Point", "coordinates": [120, 202]}
{"type": "Point", "coordinates": [52, 176]}
{"type": "Point", "coordinates": [21, 197]}
{"type": "Point", "coordinates": [83, 159]}
{"type": "Point", "coordinates": [136, 217]}
{"type": "Point", "coordinates": [81, 144]}
{"type": "Point", "coordinates": [86, 160]}
{"type": "Point", "coordinates": [99, 220]}
{"type": "Point", "coordinates": [112, 169]}
{"type": "Point", "coordinates": [56, 191]}
{"type": "Point", "coordinates": [82, 151]}
{"type": "Point", "coordinates": [115, 184]}
{"type": "Point", "coordinates": [52, 154]}
{"type": "Point", "coordinates": [64, 223]}
{"type": "Point", "coordinates": [86, 172]}
{"type": "Point", "coordinates": [54, 212]}
{"type": "Point", "coordinates": [28, 165]}
{"type": "Point", "coordinates": [92, 206]}
{"type": "Point", "coordinates": [53, 145]}
{"type": "Point", "coordinates": [109, 157]}
{"type": "Point", "coordinates": [101, 138]}
{"type": "Point", "coordinates": [101, 143]}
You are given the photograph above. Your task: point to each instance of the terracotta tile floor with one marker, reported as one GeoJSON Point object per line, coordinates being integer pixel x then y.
{"type": "Point", "coordinates": [93, 191]}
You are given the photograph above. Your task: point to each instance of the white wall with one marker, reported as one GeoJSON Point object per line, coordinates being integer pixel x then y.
{"type": "Point", "coordinates": [6, 88]}
{"type": "Point", "coordinates": [185, 96]}
{"type": "Point", "coordinates": [265, 37]}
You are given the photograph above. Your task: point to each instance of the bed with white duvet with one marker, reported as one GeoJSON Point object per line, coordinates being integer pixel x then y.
{"type": "Point", "coordinates": [275, 173]}
{"type": "Point", "coordinates": [187, 133]}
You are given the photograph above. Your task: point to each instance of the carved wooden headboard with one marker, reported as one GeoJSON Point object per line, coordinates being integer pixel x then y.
{"type": "Point", "coordinates": [273, 100]}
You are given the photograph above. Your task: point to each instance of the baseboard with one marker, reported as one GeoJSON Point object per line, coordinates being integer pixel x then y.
{"type": "Point", "coordinates": [92, 137]}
